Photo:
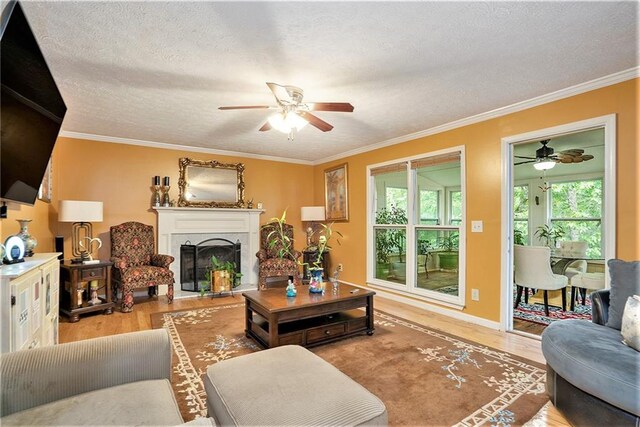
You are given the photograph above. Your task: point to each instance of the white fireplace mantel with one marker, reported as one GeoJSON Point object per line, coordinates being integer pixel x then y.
{"type": "Point", "coordinates": [173, 222]}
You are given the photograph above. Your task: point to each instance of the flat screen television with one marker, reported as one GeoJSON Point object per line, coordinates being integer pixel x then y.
{"type": "Point", "coordinates": [32, 109]}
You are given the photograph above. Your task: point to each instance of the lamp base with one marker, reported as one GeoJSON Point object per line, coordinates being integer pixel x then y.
{"type": "Point", "coordinates": [76, 260]}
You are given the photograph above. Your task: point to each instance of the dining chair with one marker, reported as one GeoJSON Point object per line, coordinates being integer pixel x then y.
{"type": "Point", "coordinates": [584, 282]}
{"type": "Point", "coordinates": [574, 248]}
{"type": "Point", "coordinates": [533, 270]}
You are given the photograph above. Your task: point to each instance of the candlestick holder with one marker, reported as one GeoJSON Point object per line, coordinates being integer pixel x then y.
{"type": "Point", "coordinates": [166, 200]}
{"type": "Point", "coordinates": [156, 196]}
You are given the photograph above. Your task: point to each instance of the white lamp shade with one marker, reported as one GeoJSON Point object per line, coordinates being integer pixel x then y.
{"type": "Point", "coordinates": [79, 211]}
{"type": "Point", "coordinates": [312, 213]}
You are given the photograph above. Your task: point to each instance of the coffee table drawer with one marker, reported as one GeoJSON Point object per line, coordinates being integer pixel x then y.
{"type": "Point", "coordinates": [325, 332]}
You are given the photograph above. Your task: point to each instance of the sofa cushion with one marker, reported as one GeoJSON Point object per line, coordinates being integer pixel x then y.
{"type": "Point", "coordinates": [288, 385]}
{"type": "Point", "coordinates": [625, 282]}
{"type": "Point", "coordinates": [142, 403]}
{"type": "Point", "coordinates": [592, 358]}
{"type": "Point", "coordinates": [631, 323]}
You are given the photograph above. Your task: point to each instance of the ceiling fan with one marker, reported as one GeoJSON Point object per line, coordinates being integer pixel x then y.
{"type": "Point", "coordinates": [294, 114]}
{"type": "Point", "coordinates": [545, 158]}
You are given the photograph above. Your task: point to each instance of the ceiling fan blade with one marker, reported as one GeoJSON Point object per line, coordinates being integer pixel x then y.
{"type": "Point", "coordinates": [280, 92]}
{"type": "Point", "coordinates": [247, 107]}
{"type": "Point", "coordinates": [344, 107]}
{"type": "Point", "coordinates": [586, 157]}
{"type": "Point", "coordinates": [315, 121]}
{"type": "Point", "coordinates": [525, 157]}
{"type": "Point", "coordinates": [265, 127]}
{"type": "Point", "coordinates": [522, 163]}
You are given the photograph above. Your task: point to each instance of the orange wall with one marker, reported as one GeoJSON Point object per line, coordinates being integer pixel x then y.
{"type": "Point", "coordinates": [120, 176]}
{"type": "Point", "coordinates": [482, 143]}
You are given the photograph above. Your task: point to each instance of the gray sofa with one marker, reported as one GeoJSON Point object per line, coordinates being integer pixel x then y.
{"type": "Point", "coordinates": [592, 377]}
{"type": "Point", "coordinates": [117, 380]}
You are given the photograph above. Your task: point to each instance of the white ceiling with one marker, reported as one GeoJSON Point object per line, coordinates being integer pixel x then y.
{"type": "Point", "coordinates": [158, 71]}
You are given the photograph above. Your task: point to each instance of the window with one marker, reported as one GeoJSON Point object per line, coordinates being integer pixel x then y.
{"type": "Point", "coordinates": [429, 207]}
{"type": "Point", "coordinates": [455, 207]}
{"type": "Point", "coordinates": [521, 214]}
{"type": "Point", "coordinates": [576, 206]}
{"type": "Point", "coordinates": [415, 231]}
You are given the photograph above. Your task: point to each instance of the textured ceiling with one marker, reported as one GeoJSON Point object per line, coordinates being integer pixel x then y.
{"type": "Point", "coordinates": [157, 71]}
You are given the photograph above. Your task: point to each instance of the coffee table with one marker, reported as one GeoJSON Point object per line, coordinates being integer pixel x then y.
{"type": "Point", "coordinates": [273, 319]}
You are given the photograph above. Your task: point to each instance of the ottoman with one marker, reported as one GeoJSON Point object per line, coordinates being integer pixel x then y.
{"type": "Point", "coordinates": [288, 385]}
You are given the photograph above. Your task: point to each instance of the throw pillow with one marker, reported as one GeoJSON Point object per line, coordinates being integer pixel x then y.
{"type": "Point", "coordinates": [625, 282]}
{"type": "Point", "coordinates": [631, 323]}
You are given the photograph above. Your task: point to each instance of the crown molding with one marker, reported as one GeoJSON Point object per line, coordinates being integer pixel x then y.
{"type": "Point", "coordinates": [598, 83]}
{"type": "Point", "coordinates": [166, 146]}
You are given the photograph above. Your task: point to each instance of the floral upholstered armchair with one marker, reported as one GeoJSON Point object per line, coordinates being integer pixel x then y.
{"type": "Point", "coordinates": [135, 265]}
{"type": "Point", "coordinates": [270, 264]}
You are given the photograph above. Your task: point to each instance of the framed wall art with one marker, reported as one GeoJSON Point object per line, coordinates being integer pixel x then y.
{"type": "Point", "coordinates": [336, 199]}
{"type": "Point", "coordinates": [44, 193]}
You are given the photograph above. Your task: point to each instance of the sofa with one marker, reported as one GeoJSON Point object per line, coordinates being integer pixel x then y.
{"type": "Point", "coordinates": [116, 380]}
{"type": "Point", "coordinates": [592, 377]}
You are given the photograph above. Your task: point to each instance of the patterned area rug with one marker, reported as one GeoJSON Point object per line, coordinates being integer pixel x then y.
{"type": "Point", "coordinates": [424, 377]}
{"type": "Point", "coordinates": [535, 313]}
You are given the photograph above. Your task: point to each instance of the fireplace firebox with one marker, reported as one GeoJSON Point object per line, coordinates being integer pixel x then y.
{"type": "Point", "coordinates": [196, 259]}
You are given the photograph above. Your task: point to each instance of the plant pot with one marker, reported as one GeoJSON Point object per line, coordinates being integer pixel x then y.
{"type": "Point", "coordinates": [316, 285]}
{"type": "Point", "coordinates": [399, 270]}
{"type": "Point", "coordinates": [221, 281]}
{"type": "Point", "coordinates": [382, 270]}
{"type": "Point", "coordinates": [448, 260]}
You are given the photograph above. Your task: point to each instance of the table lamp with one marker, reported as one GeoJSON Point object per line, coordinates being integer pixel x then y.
{"type": "Point", "coordinates": [81, 214]}
{"type": "Point", "coordinates": [311, 214]}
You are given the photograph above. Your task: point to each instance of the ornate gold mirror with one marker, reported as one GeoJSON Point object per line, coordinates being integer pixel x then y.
{"type": "Point", "coordinates": [211, 184]}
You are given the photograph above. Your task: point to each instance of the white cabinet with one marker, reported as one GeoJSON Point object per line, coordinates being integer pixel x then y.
{"type": "Point", "coordinates": [29, 295]}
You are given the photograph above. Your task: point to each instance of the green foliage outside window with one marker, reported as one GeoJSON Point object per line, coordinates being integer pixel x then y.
{"type": "Point", "coordinates": [577, 207]}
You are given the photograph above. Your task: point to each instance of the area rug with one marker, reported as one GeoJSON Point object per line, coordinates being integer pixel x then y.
{"type": "Point", "coordinates": [423, 376]}
{"type": "Point", "coordinates": [535, 312]}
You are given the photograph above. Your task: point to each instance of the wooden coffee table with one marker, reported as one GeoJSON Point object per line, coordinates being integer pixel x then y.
{"type": "Point", "coordinates": [273, 319]}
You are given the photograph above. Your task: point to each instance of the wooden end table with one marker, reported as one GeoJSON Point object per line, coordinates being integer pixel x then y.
{"type": "Point", "coordinates": [273, 319]}
{"type": "Point", "coordinates": [76, 292]}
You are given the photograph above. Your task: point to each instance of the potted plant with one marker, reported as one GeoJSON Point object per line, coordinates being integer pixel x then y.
{"type": "Point", "coordinates": [277, 238]}
{"type": "Point", "coordinates": [448, 254]}
{"type": "Point", "coordinates": [550, 234]}
{"type": "Point", "coordinates": [391, 242]}
{"type": "Point", "coordinates": [316, 268]}
{"type": "Point", "coordinates": [223, 275]}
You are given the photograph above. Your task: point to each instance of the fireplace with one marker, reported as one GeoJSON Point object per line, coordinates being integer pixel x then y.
{"type": "Point", "coordinates": [195, 260]}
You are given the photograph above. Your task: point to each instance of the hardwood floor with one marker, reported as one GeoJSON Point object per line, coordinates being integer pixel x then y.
{"type": "Point", "coordinates": [96, 325]}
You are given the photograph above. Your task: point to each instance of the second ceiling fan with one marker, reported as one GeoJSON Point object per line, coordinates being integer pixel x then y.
{"type": "Point", "coordinates": [546, 159]}
{"type": "Point", "coordinates": [294, 114]}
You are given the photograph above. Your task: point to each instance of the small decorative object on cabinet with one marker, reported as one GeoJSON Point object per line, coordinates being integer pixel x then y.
{"type": "Point", "coordinates": [166, 200]}
{"type": "Point", "coordinates": [30, 242]}
{"type": "Point", "coordinates": [86, 288]}
{"type": "Point", "coordinates": [29, 303]}
{"type": "Point", "coordinates": [13, 250]}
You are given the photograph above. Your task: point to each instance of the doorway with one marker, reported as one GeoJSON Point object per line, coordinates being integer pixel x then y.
{"type": "Point", "coordinates": [536, 197]}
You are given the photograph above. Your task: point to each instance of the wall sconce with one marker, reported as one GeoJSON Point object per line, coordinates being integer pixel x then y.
{"type": "Point", "coordinates": [310, 214]}
{"type": "Point", "coordinates": [81, 214]}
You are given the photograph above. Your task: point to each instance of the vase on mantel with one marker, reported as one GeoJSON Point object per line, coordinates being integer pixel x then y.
{"type": "Point", "coordinates": [30, 242]}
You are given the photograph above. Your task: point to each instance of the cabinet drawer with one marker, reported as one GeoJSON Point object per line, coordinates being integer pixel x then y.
{"type": "Point", "coordinates": [325, 332]}
{"type": "Point", "coordinates": [92, 274]}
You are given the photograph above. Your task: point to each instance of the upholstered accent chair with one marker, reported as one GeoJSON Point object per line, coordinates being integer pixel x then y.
{"type": "Point", "coordinates": [533, 271]}
{"type": "Point", "coordinates": [135, 263]}
{"type": "Point", "coordinates": [270, 265]}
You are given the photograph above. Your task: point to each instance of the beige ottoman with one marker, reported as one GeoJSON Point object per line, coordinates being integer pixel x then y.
{"type": "Point", "coordinates": [288, 385]}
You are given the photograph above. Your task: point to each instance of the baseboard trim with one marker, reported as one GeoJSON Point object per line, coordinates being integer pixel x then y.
{"type": "Point", "coordinates": [432, 307]}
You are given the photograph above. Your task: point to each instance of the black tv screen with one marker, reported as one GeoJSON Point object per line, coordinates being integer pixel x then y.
{"type": "Point", "coordinates": [32, 109]}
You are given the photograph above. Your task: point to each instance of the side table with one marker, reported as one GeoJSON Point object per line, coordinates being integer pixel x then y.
{"type": "Point", "coordinates": [85, 288]}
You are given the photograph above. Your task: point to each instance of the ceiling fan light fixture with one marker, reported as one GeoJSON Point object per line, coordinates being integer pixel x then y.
{"type": "Point", "coordinates": [286, 122]}
{"type": "Point", "coordinates": [544, 164]}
